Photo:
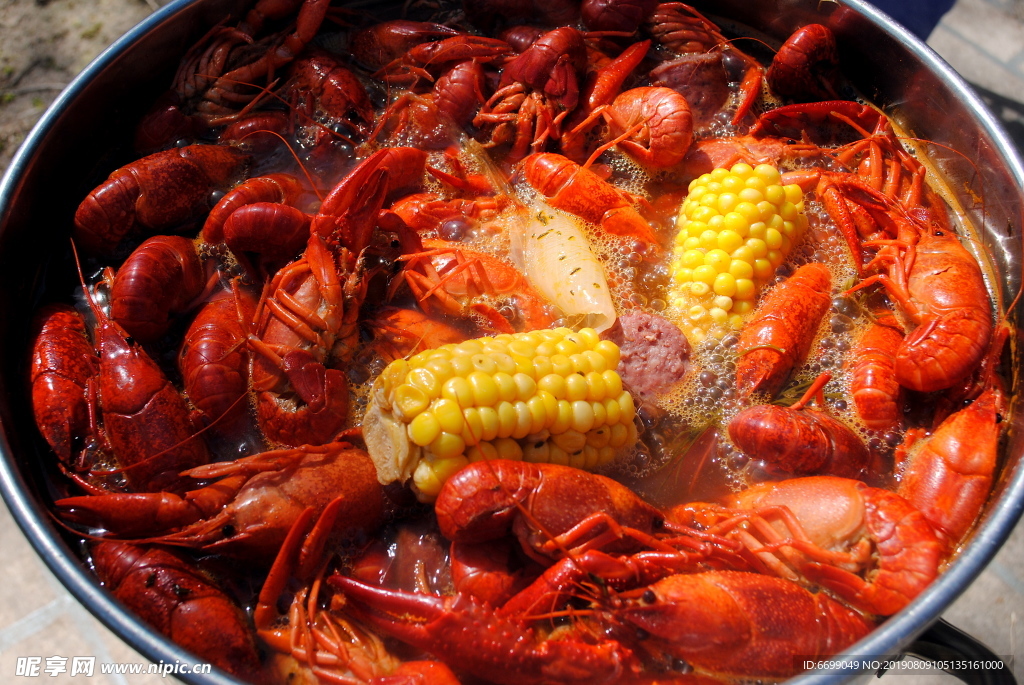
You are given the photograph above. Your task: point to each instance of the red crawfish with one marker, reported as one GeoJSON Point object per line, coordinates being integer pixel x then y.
{"type": "Point", "coordinates": [63, 366]}
{"type": "Point", "coordinates": [537, 91]}
{"type": "Point", "coordinates": [940, 287]}
{"type": "Point", "coordinates": [701, 73]}
{"type": "Point", "coordinates": [262, 216]}
{"type": "Point", "coordinates": [877, 395]}
{"type": "Point", "coordinates": [806, 67]}
{"type": "Point", "coordinates": [578, 190]}
{"type": "Point", "coordinates": [869, 546]}
{"type": "Point", "coordinates": [248, 512]}
{"type": "Point", "coordinates": [161, 278]}
{"type": "Point", "coordinates": [162, 191]}
{"type": "Point", "coordinates": [799, 441]}
{"type": "Point", "coordinates": [167, 591]}
{"type": "Point", "coordinates": [781, 332]}
{"type": "Point", "coordinates": [146, 423]}
{"type": "Point", "coordinates": [214, 363]}
{"type": "Point", "coordinates": [948, 474]}
{"type": "Point", "coordinates": [749, 636]}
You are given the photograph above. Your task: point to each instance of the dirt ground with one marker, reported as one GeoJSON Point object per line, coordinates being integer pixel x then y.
{"type": "Point", "coordinates": [43, 45]}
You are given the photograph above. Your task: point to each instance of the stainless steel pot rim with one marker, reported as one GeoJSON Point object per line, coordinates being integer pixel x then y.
{"type": "Point", "coordinates": [33, 520]}
{"type": "Point", "coordinates": [889, 639]}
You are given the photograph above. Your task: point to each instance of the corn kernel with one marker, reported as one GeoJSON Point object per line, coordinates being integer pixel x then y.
{"type": "Point", "coordinates": [626, 403]}
{"type": "Point", "coordinates": [612, 411]}
{"type": "Point", "coordinates": [583, 415]}
{"type": "Point", "coordinates": [424, 429]}
{"type": "Point", "coordinates": [538, 413]}
{"type": "Point", "coordinates": [522, 348]}
{"type": "Point", "coordinates": [431, 474]}
{"type": "Point", "coordinates": [745, 291]}
{"type": "Point", "coordinates": [485, 390]}
{"type": "Point", "coordinates": [575, 387]}
{"type": "Point", "coordinates": [557, 455]}
{"type": "Point", "coordinates": [458, 390]}
{"type": "Point", "coordinates": [561, 365]}
{"type": "Point", "coordinates": [448, 415]}
{"type": "Point", "coordinates": [489, 420]}
{"type": "Point", "coordinates": [794, 193]}
{"type": "Point", "coordinates": [612, 383]}
{"type": "Point", "coordinates": [447, 446]}
{"type": "Point", "coordinates": [524, 420]}
{"type": "Point", "coordinates": [751, 195]}
{"type": "Point", "coordinates": [739, 268]}
{"type": "Point", "coordinates": [705, 274]}
{"type": "Point", "coordinates": [600, 415]}
{"type": "Point", "coordinates": [462, 365]}
{"type": "Point", "coordinates": [508, 449]}
{"type": "Point", "coordinates": [553, 383]}
{"type": "Point", "coordinates": [472, 427]}
{"type": "Point", "coordinates": [693, 258]}
{"type": "Point", "coordinates": [775, 194]}
{"type": "Point", "coordinates": [617, 435]}
{"type": "Point", "coordinates": [725, 284]}
{"type": "Point", "coordinates": [722, 302]}
{"type": "Point", "coordinates": [507, 419]}
{"type": "Point", "coordinates": [730, 240]}
{"type": "Point", "coordinates": [608, 350]}
{"type": "Point", "coordinates": [599, 437]}
{"type": "Point", "coordinates": [763, 269]}
{"type": "Point", "coordinates": [546, 349]}
{"type": "Point", "coordinates": [758, 247]}
{"type": "Point", "coordinates": [570, 441]}
{"type": "Point", "coordinates": [719, 259]}
{"type": "Point", "coordinates": [538, 452]}
{"type": "Point", "coordinates": [589, 336]}
{"type": "Point", "coordinates": [506, 386]}
{"type": "Point", "coordinates": [708, 240]}
{"type": "Point", "coordinates": [485, 451]}
{"type": "Point", "coordinates": [767, 173]}
{"type": "Point", "coordinates": [742, 169]}
{"type": "Point", "coordinates": [596, 361]}
{"type": "Point", "coordinates": [409, 401]}
{"type": "Point", "coordinates": [578, 459]}
{"type": "Point", "coordinates": [580, 363]}
{"type": "Point", "coordinates": [563, 419]}
{"type": "Point", "coordinates": [524, 365]}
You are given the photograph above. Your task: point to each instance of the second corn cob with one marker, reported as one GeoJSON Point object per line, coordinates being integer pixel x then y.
{"type": "Point", "coordinates": [736, 226]}
{"type": "Point", "coordinates": [545, 396]}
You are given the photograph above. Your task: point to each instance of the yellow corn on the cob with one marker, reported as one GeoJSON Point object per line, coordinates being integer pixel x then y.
{"type": "Point", "coordinates": [543, 396]}
{"type": "Point", "coordinates": [736, 227]}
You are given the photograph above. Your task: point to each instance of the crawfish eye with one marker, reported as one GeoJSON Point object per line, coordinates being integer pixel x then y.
{"type": "Point", "coordinates": [658, 523]}
{"type": "Point", "coordinates": [228, 530]}
{"type": "Point", "coordinates": [180, 591]}
{"type": "Point", "coordinates": [680, 666]}
{"type": "Point", "coordinates": [649, 597]}
{"type": "Point", "coordinates": [642, 634]}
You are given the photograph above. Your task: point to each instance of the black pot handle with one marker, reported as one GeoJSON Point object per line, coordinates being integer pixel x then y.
{"type": "Point", "coordinates": [945, 645]}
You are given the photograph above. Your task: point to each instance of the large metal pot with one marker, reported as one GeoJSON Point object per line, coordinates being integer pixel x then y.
{"type": "Point", "coordinates": [85, 133]}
